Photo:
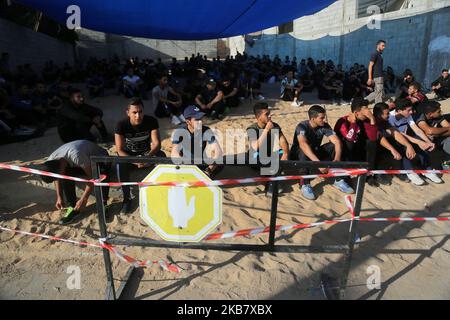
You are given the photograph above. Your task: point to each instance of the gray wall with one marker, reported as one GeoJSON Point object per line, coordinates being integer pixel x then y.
{"type": "Point", "coordinates": [26, 46]}
{"type": "Point", "coordinates": [103, 45]}
{"type": "Point", "coordinates": [418, 37]}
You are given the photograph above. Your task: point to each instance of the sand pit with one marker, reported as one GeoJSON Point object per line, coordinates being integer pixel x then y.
{"type": "Point", "coordinates": [413, 256]}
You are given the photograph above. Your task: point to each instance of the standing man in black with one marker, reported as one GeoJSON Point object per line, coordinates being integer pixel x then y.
{"type": "Point", "coordinates": [376, 73]}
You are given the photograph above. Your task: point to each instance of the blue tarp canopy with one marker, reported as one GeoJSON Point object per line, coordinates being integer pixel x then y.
{"type": "Point", "coordinates": [180, 19]}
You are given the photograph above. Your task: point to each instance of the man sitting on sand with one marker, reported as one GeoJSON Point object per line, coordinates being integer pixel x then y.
{"type": "Point", "coordinates": [442, 86]}
{"type": "Point", "coordinates": [260, 139]}
{"type": "Point", "coordinates": [401, 118]}
{"type": "Point", "coordinates": [136, 135]}
{"type": "Point", "coordinates": [307, 146]}
{"type": "Point", "coordinates": [291, 89]}
{"type": "Point", "coordinates": [210, 100]}
{"type": "Point", "coordinates": [191, 140]}
{"type": "Point", "coordinates": [73, 159]}
{"type": "Point", "coordinates": [435, 126]}
{"type": "Point", "coordinates": [167, 102]}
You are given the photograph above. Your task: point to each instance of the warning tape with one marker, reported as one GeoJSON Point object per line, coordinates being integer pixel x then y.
{"type": "Point", "coordinates": [136, 263]}
{"type": "Point", "coordinates": [349, 204]}
{"type": "Point", "coordinates": [223, 182]}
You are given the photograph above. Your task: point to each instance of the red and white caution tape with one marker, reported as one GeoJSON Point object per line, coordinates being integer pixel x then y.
{"type": "Point", "coordinates": [224, 182]}
{"type": "Point", "coordinates": [136, 263]}
{"type": "Point", "coordinates": [349, 204]}
{"type": "Point", "coordinates": [49, 174]}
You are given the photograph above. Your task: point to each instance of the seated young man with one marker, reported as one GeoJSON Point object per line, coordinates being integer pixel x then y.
{"type": "Point", "coordinates": [352, 87]}
{"type": "Point", "coordinates": [401, 118]}
{"type": "Point", "coordinates": [396, 143]}
{"type": "Point", "coordinates": [76, 118]}
{"type": "Point", "coordinates": [307, 146]}
{"type": "Point", "coordinates": [23, 108]}
{"type": "Point", "coordinates": [329, 89]}
{"type": "Point", "coordinates": [250, 86]}
{"type": "Point", "coordinates": [132, 85]}
{"type": "Point", "coordinates": [136, 135]}
{"type": "Point", "coordinates": [408, 78]}
{"type": "Point", "coordinates": [167, 102]}
{"type": "Point", "coordinates": [96, 85]}
{"type": "Point", "coordinates": [359, 135]}
{"type": "Point", "coordinates": [416, 96]}
{"type": "Point", "coordinates": [435, 126]}
{"type": "Point", "coordinates": [442, 86]}
{"type": "Point", "coordinates": [230, 92]}
{"type": "Point", "coordinates": [73, 159]}
{"type": "Point", "coordinates": [291, 89]}
{"type": "Point", "coordinates": [210, 100]}
{"type": "Point", "coordinates": [192, 141]}
{"type": "Point", "coordinates": [260, 139]}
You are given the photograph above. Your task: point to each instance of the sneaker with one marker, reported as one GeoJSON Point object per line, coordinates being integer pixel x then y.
{"type": "Point", "coordinates": [433, 177]}
{"type": "Point", "coordinates": [175, 120]}
{"type": "Point", "coordinates": [259, 97]}
{"type": "Point", "coordinates": [307, 192]}
{"type": "Point", "coordinates": [383, 180]}
{"type": "Point", "coordinates": [342, 186]}
{"type": "Point", "coordinates": [182, 118]}
{"type": "Point", "coordinates": [403, 177]}
{"type": "Point", "coordinates": [214, 115]}
{"type": "Point", "coordinates": [297, 103]}
{"type": "Point", "coordinates": [446, 165]}
{"type": "Point", "coordinates": [127, 207]}
{"type": "Point", "coordinates": [69, 216]}
{"type": "Point", "coordinates": [415, 179]}
{"type": "Point", "coordinates": [371, 181]}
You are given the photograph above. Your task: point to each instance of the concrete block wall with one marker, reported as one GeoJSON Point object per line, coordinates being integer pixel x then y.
{"type": "Point", "coordinates": [337, 33]}
{"type": "Point", "coordinates": [26, 46]}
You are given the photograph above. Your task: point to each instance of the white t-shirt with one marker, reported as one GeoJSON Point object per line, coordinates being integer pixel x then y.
{"type": "Point", "coordinates": [400, 124]}
{"type": "Point", "coordinates": [157, 93]}
{"type": "Point", "coordinates": [285, 82]}
{"type": "Point", "coordinates": [133, 80]}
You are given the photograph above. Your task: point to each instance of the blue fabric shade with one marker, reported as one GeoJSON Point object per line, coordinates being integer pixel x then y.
{"type": "Point", "coordinates": [180, 19]}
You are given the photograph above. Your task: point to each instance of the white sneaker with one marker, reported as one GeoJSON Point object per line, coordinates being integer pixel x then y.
{"type": "Point", "coordinates": [433, 177]}
{"type": "Point", "coordinates": [175, 120]}
{"type": "Point", "coordinates": [259, 97]}
{"type": "Point", "coordinates": [415, 179]}
{"type": "Point", "coordinates": [181, 117]}
{"type": "Point", "coordinates": [294, 104]}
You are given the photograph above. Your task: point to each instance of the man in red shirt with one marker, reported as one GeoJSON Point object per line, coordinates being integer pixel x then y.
{"type": "Point", "coordinates": [416, 96]}
{"type": "Point", "coordinates": [359, 134]}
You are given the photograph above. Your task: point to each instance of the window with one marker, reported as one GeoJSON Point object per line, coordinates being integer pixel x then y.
{"type": "Point", "coordinates": [384, 5]}
{"type": "Point", "coordinates": [286, 27]}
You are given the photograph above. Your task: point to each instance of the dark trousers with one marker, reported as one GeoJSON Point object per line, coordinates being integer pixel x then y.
{"type": "Point", "coordinates": [443, 92]}
{"type": "Point", "coordinates": [363, 150]}
{"type": "Point", "coordinates": [68, 186]}
{"type": "Point", "coordinates": [385, 160]}
{"type": "Point", "coordinates": [218, 107]}
{"type": "Point", "coordinates": [128, 172]}
{"type": "Point", "coordinates": [325, 152]}
{"type": "Point", "coordinates": [164, 110]}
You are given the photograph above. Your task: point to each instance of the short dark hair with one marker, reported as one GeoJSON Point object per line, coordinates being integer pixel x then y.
{"type": "Point", "coordinates": [258, 107]}
{"type": "Point", "coordinates": [380, 41]}
{"type": "Point", "coordinates": [315, 110]}
{"type": "Point", "coordinates": [402, 104]}
{"type": "Point", "coordinates": [379, 108]}
{"type": "Point", "coordinates": [416, 85]}
{"type": "Point", "coordinates": [430, 107]}
{"type": "Point", "coordinates": [407, 72]}
{"type": "Point", "coordinates": [162, 75]}
{"type": "Point", "coordinates": [72, 91]}
{"type": "Point", "coordinates": [135, 101]}
{"type": "Point", "coordinates": [444, 70]}
{"type": "Point", "coordinates": [358, 103]}
{"type": "Point", "coordinates": [49, 166]}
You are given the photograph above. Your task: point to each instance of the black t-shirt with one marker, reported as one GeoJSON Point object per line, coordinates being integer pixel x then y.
{"type": "Point", "coordinates": [258, 131]}
{"type": "Point", "coordinates": [182, 132]}
{"type": "Point", "coordinates": [313, 135]}
{"type": "Point", "coordinates": [137, 138]}
{"type": "Point", "coordinates": [377, 58]}
{"type": "Point", "coordinates": [208, 95]}
{"type": "Point", "coordinates": [431, 122]}
{"type": "Point", "coordinates": [227, 90]}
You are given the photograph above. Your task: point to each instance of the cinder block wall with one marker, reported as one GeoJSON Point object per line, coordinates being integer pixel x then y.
{"type": "Point", "coordinates": [26, 46]}
{"type": "Point", "coordinates": [418, 37]}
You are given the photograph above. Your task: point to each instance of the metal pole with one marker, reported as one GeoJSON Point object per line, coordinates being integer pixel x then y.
{"type": "Point", "coordinates": [273, 215]}
{"type": "Point", "coordinates": [352, 233]}
{"type": "Point", "coordinates": [110, 290]}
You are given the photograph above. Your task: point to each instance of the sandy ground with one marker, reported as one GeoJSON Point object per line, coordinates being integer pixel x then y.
{"type": "Point", "coordinates": [413, 257]}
